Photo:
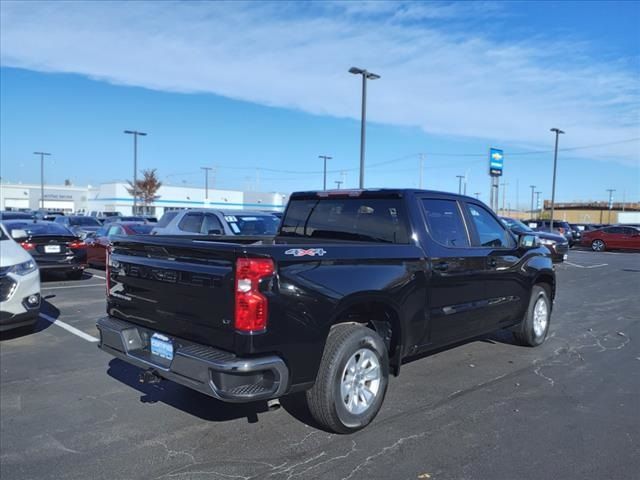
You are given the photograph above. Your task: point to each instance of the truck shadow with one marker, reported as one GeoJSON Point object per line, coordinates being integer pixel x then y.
{"type": "Point", "coordinates": [183, 398]}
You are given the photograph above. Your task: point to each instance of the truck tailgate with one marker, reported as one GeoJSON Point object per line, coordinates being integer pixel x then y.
{"type": "Point", "coordinates": [181, 287]}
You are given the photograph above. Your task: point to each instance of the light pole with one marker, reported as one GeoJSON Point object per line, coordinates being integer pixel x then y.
{"type": "Point", "coordinates": [42, 155]}
{"type": "Point", "coordinates": [135, 134]}
{"type": "Point", "coordinates": [365, 76]}
{"type": "Point", "coordinates": [324, 177]}
{"type": "Point", "coordinates": [206, 181]}
{"type": "Point", "coordinates": [338, 183]}
{"type": "Point", "coordinates": [558, 132]}
{"type": "Point", "coordinates": [610, 190]}
{"type": "Point", "coordinates": [532, 187]}
{"type": "Point", "coordinates": [460, 177]}
{"type": "Point", "coordinates": [537, 203]}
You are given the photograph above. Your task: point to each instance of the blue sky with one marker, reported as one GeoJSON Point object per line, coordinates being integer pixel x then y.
{"type": "Point", "coordinates": [259, 90]}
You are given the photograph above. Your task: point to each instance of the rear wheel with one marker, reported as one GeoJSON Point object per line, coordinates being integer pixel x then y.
{"type": "Point", "coordinates": [535, 326]}
{"type": "Point", "coordinates": [352, 379]}
{"type": "Point", "coordinates": [598, 246]}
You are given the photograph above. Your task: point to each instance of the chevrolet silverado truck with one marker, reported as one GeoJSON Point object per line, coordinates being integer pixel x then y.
{"type": "Point", "coordinates": [355, 283]}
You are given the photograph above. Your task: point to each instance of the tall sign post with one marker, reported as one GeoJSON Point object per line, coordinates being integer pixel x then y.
{"type": "Point", "coordinates": [496, 165]}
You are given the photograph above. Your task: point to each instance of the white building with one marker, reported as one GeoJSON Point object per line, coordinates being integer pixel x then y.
{"type": "Point", "coordinates": [110, 197]}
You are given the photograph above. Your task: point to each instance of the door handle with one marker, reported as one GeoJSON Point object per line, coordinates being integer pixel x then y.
{"type": "Point", "coordinates": [493, 262]}
{"type": "Point", "coordinates": [441, 266]}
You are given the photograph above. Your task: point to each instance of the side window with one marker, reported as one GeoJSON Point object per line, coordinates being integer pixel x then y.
{"type": "Point", "coordinates": [444, 222]}
{"type": "Point", "coordinates": [613, 230]}
{"type": "Point", "coordinates": [491, 233]}
{"type": "Point", "coordinates": [210, 223]}
{"type": "Point", "coordinates": [114, 230]}
{"type": "Point", "coordinates": [191, 222]}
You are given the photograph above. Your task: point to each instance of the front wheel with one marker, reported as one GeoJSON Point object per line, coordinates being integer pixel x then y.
{"type": "Point", "coordinates": [535, 326]}
{"type": "Point", "coordinates": [352, 379]}
{"type": "Point", "coordinates": [598, 246]}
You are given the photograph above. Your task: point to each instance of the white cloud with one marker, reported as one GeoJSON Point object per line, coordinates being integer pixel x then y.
{"type": "Point", "coordinates": [436, 76]}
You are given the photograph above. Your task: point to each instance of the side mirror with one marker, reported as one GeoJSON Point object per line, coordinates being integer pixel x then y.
{"type": "Point", "coordinates": [18, 234]}
{"type": "Point", "coordinates": [527, 241]}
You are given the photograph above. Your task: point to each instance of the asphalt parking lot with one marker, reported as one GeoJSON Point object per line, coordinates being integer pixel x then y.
{"type": "Point", "coordinates": [485, 410]}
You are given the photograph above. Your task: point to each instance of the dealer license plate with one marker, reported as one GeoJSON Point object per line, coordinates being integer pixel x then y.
{"type": "Point", "coordinates": [161, 346]}
{"type": "Point", "coordinates": [52, 249]}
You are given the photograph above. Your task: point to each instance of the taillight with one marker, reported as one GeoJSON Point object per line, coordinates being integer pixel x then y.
{"type": "Point", "coordinates": [251, 306]}
{"type": "Point", "coordinates": [77, 244]}
{"type": "Point", "coordinates": [28, 245]}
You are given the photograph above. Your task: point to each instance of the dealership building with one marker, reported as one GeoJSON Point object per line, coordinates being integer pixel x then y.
{"type": "Point", "coordinates": [111, 197]}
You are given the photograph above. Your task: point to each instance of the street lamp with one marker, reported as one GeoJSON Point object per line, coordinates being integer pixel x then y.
{"type": "Point", "coordinates": [206, 181]}
{"type": "Point", "coordinates": [324, 178]}
{"type": "Point", "coordinates": [365, 76]}
{"type": "Point", "coordinates": [135, 134]}
{"type": "Point", "coordinates": [532, 187]}
{"type": "Point", "coordinates": [558, 132]}
{"type": "Point", "coordinates": [42, 155]}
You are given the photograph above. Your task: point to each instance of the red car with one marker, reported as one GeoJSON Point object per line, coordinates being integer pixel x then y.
{"type": "Point", "coordinates": [611, 238]}
{"type": "Point", "coordinates": [98, 243]}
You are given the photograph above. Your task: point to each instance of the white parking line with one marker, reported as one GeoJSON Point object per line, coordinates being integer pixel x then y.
{"type": "Point", "coordinates": [69, 328]}
{"type": "Point", "coordinates": [74, 286]}
{"type": "Point", "coordinates": [97, 276]}
{"type": "Point", "coordinates": [587, 266]}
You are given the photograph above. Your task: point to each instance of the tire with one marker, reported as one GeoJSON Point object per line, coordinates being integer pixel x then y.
{"type": "Point", "coordinates": [338, 400]}
{"type": "Point", "coordinates": [75, 274]}
{"type": "Point", "coordinates": [533, 329]}
{"type": "Point", "coordinates": [598, 245]}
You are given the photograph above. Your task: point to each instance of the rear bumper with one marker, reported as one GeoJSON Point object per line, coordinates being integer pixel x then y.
{"type": "Point", "coordinates": [214, 372]}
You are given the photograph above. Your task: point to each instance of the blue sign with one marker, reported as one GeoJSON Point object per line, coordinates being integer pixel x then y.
{"type": "Point", "coordinates": [496, 162]}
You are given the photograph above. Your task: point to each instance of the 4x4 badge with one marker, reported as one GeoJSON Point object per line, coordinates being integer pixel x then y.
{"type": "Point", "coordinates": [304, 252]}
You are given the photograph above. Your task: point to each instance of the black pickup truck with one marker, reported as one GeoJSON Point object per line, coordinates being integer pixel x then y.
{"type": "Point", "coordinates": [354, 284]}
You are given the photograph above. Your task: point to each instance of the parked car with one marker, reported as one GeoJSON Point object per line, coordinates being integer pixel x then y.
{"type": "Point", "coordinates": [559, 226]}
{"type": "Point", "coordinates": [97, 244]}
{"type": "Point", "coordinates": [612, 238]}
{"type": "Point", "coordinates": [53, 246]}
{"type": "Point", "coordinates": [79, 225]}
{"type": "Point", "coordinates": [556, 243]}
{"type": "Point", "coordinates": [11, 215]}
{"type": "Point", "coordinates": [47, 215]}
{"type": "Point", "coordinates": [218, 222]}
{"type": "Point", "coordinates": [19, 285]}
{"type": "Point", "coordinates": [354, 283]}
{"type": "Point", "coordinates": [102, 216]}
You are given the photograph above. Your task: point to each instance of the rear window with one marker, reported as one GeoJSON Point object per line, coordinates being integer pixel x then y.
{"type": "Point", "coordinates": [141, 229]}
{"type": "Point", "coordinates": [84, 221]}
{"type": "Point", "coordinates": [253, 224]}
{"type": "Point", "coordinates": [357, 219]}
{"type": "Point", "coordinates": [40, 229]}
{"type": "Point", "coordinates": [166, 219]}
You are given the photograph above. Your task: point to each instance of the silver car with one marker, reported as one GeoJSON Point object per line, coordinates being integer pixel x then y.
{"type": "Point", "coordinates": [217, 222]}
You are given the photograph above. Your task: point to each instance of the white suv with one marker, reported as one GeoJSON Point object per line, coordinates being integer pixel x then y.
{"type": "Point", "coordinates": [19, 284]}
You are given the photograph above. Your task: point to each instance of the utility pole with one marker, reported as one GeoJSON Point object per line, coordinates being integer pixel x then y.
{"type": "Point", "coordinates": [421, 169]}
{"type": "Point", "coordinates": [459, 177]}
{"type": "Point", "coordinates": [42, 155]}
{"type": "Point", "coordinates": [324, 178]}
{"type": "Point", "coordinates": [610, 190]}
{"type": "Point", "coordinates": [504, 195]}
{"type": "Point", "coordinates": [365, 76]}
{"type": "Point", "coordinates": [558, 132]}
{"type": "Point", "coordinates": [135, 134]}
{"type": "Point", "coordinates": [338, 183]}
{"type": "Point", "coordinates": [206, 181]}
{"type": "Point", "coordinates": [537, 203]}
{"type": "Point", "coordinates": [532, 187]}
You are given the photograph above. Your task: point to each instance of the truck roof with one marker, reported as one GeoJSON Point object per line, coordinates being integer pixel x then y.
{"type": "Point", "coordinates": [373, 192]}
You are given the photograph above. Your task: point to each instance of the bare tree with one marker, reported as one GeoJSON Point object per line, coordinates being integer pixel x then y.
{"type": "Point", "coordinates": [146, 188]}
